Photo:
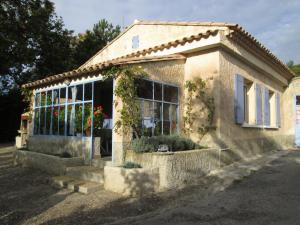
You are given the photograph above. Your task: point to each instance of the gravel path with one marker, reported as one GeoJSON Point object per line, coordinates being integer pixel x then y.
{"type": "Point", "coordinates": [270, 195]}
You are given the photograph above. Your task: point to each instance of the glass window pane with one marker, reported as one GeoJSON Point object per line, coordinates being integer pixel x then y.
{"type": "Point", "coordinates": [55, 96]}
{"type": "Point", "coordinates": [158, 91]}
{"type": "Point", "coordinates": [62, 98]}
{"type": "Point", "coordinates": [49, 98]}
{"type": "Point", "coordinates": [79, 93]}
{"type": "Point", "coordinates": [36, 121]}
{"type": "Point", "coordinates": [71, 120]}
{"type": "Point", "coordinates": [87, 120]}
{"type": "Point", "coordinates": [157, 118]}
{"type": "Point", "coordinates": [148, 122]}
{"type": "Point", "coordinates": [78, 120]}
{"type": "Point", "coordinates": [55, 117]}
{"type": "Point", "coordinates": [173, 119]}
{"type": "Point", "coordinates": [48, 120]}
{"type": "Point", "coordinates": [88, 91]}
{"type": "Point", "coordinates": [170, 94]}
{"type": "Point", "coordinates": [166, 122]}
{"type": "Point", "coordinates": [43, 98]}
{"type": "Point", "coordinates": [42, 122]}
{"type": "Point", "coordinates": [61, 120]}
{"type": "Point", "coordinates": [37, 99]}
{"type": "Point", "coordinates": [144, 88]}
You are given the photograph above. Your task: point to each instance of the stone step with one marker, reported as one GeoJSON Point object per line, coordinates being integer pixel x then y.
{"type": "Point", "coordinates": [86, 173]}
{"type": "Point", "coordinates": [81, 186]}
{"type": "Point", "coordinates": [101, 162]}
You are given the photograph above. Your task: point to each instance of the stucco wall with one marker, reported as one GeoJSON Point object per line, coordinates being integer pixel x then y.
{"type": "Point", "coordinates": [149, 36]}
{"type": "Point", "coordinates": [289, 111]}
{"type": "Point", "coordinates": [247, 141]}
{"type": "Point", "coordinates": [206, 66]}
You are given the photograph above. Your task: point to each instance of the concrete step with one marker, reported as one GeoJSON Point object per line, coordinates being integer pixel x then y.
{"type": "Point", "coordinates": [101, 162]}
{"type": "Point", "coordinates": [86, 173]}
{"type": "Point", "coordinates": [89, 187]}
{"type": "Point", "coordinates": [61, 181]}
{"type": "Point", "coordinates": [81, 186]}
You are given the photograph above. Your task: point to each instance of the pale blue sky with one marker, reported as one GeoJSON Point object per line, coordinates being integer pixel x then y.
{"type": "Point", "coordinates": [275, 23]}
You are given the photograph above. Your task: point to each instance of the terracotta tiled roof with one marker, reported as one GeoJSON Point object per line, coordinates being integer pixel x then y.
{"type": "Point", "coordinates": [244, 38]}
{"type": "Point", "coordinates": [98, 67]}
{"type": "Point", "coordinates": [170, 44]}
{"type": "Point", "coordinates": [237, 34]}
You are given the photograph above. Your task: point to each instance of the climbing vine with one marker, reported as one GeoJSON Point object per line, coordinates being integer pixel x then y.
{"type": "Point", "coordinates": [125, 90]}
{"type": "Point", "coordinates": [197, 90]}
{"type": "Point", "coordinates": [27, 99]}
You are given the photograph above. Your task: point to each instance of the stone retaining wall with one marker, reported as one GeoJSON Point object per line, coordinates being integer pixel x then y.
{"type": "Point", "coordinates": [48, 163]}
{"type": "Point", "coordinates": [75, 146]}
{"type": "Point", "coordinates": [176, 169]}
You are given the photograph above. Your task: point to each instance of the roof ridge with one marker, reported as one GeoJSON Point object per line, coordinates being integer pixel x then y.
{"type": "Point", "coordinates": [183, 23]}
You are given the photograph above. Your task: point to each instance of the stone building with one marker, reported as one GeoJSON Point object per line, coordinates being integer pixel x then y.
{"type": "Point", "coordinates": [254, 93]}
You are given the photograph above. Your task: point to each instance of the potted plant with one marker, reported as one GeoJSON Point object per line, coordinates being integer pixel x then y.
{"type": "Point", "coordinates": [99, 117]}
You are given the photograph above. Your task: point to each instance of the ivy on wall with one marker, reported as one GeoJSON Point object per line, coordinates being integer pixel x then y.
{"type": "Point", "coordinates": [197, 91]}
{"type": "Point", "coordinates": [125, 90]}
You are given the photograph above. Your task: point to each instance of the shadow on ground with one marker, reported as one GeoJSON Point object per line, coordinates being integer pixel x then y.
{"type": "Point", "coordinates": [24, 192]}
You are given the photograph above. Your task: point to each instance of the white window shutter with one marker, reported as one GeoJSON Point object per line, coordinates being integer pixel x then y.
{"type": "Point", "coordinates": [258, 101]}
{"type": "Point", "coordinates": [267, 120]}
{"type": "Point", "coordinates": [239, 99]}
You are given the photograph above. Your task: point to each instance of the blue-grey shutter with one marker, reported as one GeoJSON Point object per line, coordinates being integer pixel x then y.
{"type": "Point", "coordinates": [278, 119]}
{"type": "Point", "coordinates": [239, 99]}
{"type": "Point", "coordinates": [267, 108]}
{"type": "Point", "coordinates": [258, 104]}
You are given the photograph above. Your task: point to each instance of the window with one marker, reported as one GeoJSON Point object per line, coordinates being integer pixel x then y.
{"type": "Point", "coordinates": [135, 42]}
{"type": "Point", "coordinates": [255, 104]}
{"type": "Point", "coordinates": [70, 110]}
{"type": "Point", "coordinates": [159, 108]}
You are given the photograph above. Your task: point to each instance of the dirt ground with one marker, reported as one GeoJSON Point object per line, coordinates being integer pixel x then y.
{"type": "Point", "coordinates": [269, 196]}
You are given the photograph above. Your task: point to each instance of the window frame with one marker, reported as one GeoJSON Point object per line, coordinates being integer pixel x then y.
{"type": "Point", "coordinates": [162, 102]}
{"type": "Point", "coordinates": [66, 104]}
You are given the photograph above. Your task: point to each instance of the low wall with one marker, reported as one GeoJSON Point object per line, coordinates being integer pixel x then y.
{"type": "Point", "coordinates": [131, 182]}
{"type": "Point", "coordinates": [48, 163]}
{"type": "Point", "coordinates": [176, 169]}
{"type": "Point", "coordinates": [75, 146]}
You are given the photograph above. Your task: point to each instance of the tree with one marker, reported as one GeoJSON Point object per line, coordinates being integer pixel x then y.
{"type": "Point", "coordinates": [88, 43]}
{"type": "Point", "coordinates": [33, 42]}
{"type": "Point", "coordinates": [294, 67]}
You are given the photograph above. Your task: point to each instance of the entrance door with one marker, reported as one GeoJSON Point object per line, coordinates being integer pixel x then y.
{"type": "Point", "coordinates": [297, 121]}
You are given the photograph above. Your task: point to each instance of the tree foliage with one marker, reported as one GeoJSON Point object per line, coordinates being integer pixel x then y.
{"type": "Point", "coordinates": [294, 67]}
{"type": "Point", "coordinates": [88, 43]}
{"type": "Point", "coordinates": [33, 45]}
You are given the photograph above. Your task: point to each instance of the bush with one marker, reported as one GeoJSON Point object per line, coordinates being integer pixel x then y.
{"type": "Point", "coordinates": [175, 143]}
{"type": "Point", "coordinates": [131, 165]}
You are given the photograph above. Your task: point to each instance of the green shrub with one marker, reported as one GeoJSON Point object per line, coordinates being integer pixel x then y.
{"type": "Point", "coordinates": [175, 143]}
{"type": "Point", "coordinates": [131, 165]}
